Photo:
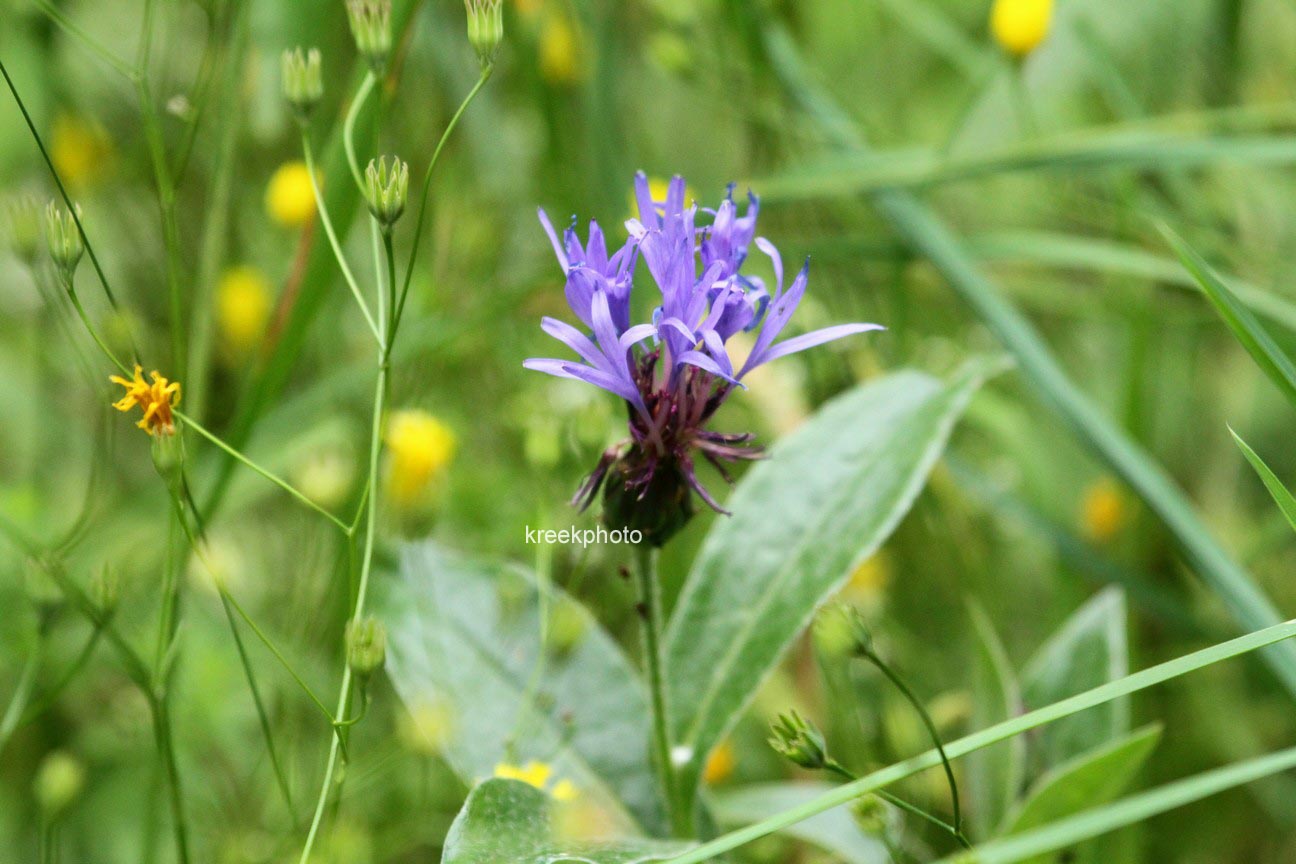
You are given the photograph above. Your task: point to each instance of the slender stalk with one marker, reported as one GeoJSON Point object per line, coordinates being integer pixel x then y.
{"type": "Point", "coordinates": [841, 771]}
{"type": "Point", "coordinates": [272, 477]}
{"type": "Point", "coordinates": [333, 240]}
{"type": "Point", "coordinates": [650, 615]}
{"type": "Point", "coordinates": [164, 736]}
{"type": "Point", "coordinates": [48, 698]}
{"type": "Point", "coordinates": [921, 710]}
{"type": "Point", "coordinates": [1099, 695]}
{"type": "Point", "coordinates": [348, 128]}
{"type": "Point", "coordinates": [427, 185]}
{"type": "Point", "coordinates": [90, 328]}
{"type": "Point", "coordinates": [22, 692]}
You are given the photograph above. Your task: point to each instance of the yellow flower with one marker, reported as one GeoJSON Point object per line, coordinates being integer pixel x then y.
{"type": "Point", "coordinates": [720, 764]}
{"type": "Point", "coordinates": [562, 54]}
{"type": "Point", "coordinates": [1102, 510]}
{"type": "Point", "coordinates": [156, 399]}
{"type": "Point", "coordinates": [534, 773]}
{"type": "Point", "coordinates": [420, 446]}
{"type": "Point", "coordinates": [290, 200]}
{"type": "Point", "coordinates": [80, 150]}
{"type": "Point", "coordinates": [564, 790]}
{"type": "Point", "coordinates": [242, 307]}
{"type": "Point", "coordinates": [1019, 26]}
{"type": "Point", "coordinates": [868, 582]}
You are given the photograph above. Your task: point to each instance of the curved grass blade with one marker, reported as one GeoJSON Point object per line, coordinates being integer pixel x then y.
{"type": "Point", "coordinates": [1286, 503]}
{"type": "Point", "coordinates": [1128, 811]}
{"type": "Point", "coordinates": [1250, 332]}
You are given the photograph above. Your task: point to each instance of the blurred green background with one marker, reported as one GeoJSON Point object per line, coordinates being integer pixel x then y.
{"type": "Point", "coordinates": [1054, 170]}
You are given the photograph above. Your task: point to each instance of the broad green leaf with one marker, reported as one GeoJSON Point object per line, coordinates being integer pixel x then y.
{"type": "Point", "coordinates": [1089, 649]}
{"type": "Point", "coordinates": [1088, 780]}
{"type": "Point", "coordinates": [995, 775]}
{"type": "Point", "coordinates": [983, 738]}
{"type": "Point", "coordinates": [1250, 332]}
{"type": "Point", "coordinates": [824, 500]}
{"type": "Point", "coordinates": [835, 830]}
{"type": "Point", "coordinates": [510, 822]}
{"type": "Point", "coordinates": [1286, 503]}
{"type": "Point", "coordinates": [463, 647]}
{"type": "Point", "coordinates": [1066, 833]}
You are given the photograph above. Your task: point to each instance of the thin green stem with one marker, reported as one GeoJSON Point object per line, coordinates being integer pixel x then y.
{"type": "Point", "coordinates": [22, 692]}
{"type": "Point", "coordinates": [841, 771]}
{"type": "Point", "coordinates": [90, 328]}
{"type": "Point", "coordinates": [366, 562]}
{"type": "Point", "coordinates": [272, 477]}
{"type": "Point", "coordinates": [260, 708]}
{"type": "Point", "coordinates": [51, 696]}
{"type": "Point", "coordinates": [427, 185]}
{"type": "Point", "coordinates": [72, 29]}
{"type": "Point", "coordinates": [348, 129]}
{"type": "Point", "coordinates": [991, 735]}
{"type": "Point", "coordinates": [921, 710]}
{"type": "Point", "coordinates": [165, 738]}
{"type": "Point", "coordinates": [650, 616]}
{"type": "Point", "coordinates": [333, 240]}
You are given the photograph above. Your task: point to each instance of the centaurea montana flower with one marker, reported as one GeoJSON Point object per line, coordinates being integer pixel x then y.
{"type": "Point", "coordinates": [675, 372]}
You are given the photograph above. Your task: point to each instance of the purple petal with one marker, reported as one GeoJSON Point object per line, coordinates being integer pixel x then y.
{"type": "Point", "coordinates": [706, 364]}
{"type": "Point", "coordinates": [553, 238]}
{"type": "Point", "coordinates": [604, 381]}
{"type": "Point", "coordinates": [575, 340]}
{"type": "Point", "coordinates": [809, 340]}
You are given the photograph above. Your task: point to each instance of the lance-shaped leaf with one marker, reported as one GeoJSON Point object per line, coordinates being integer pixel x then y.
{"type": "Point", "coordinates": [824, 501]}
{"type": "Point", "coordinates": [510, 822]}
{"type": "Point", "coordinates": [464, 648]}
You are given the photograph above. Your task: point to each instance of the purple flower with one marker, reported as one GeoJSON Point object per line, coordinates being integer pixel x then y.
{"type": "Point", "coordinates": [675, 372]}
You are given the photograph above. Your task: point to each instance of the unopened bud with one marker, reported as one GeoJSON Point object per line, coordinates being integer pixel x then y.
{"type": "Point", "coordinates": [167, 450]}
{"type": "Point", "coordinates": [59, 780]}
{"type": "Point", "coordinates": [105, 591]}
{"type": "Point", "coordinates": [799, 741]}
{"type": "Point", "coordinates": [303, 81]}
{"type": "Point", "coordinates": [386, 187]}
{"type": "Point", "coordinates": [371, 28]}
{"type": "Point", "coordinates": [485, 27]}
{"type": "Point", "coordinates": [366, 646]}
{"type": "Point", "coordinates": [64, 239]}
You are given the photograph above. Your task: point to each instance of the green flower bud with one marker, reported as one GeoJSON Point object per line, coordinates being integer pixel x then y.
{"type": "Point", "coordinates": [870, 814]}
{"type": "Point", "coordinates": [366, 646]}
{"type": "Point", "coordinates": [105, 591]}
{"type": "Point", "coordinates": [167, 450]}
{"type": "Point", "coordinates": [64, 239]}
{"type": "Point", "coordinates": [303, 82]}
{"type": "Point", "coordinates": [485, 27]}
{"type": "Point", "coordinates": [799, 741]}
{"type": "Point", "coordinates": [861, 633]}
{"type": "Point", "coordinates": [386, 187]}
{"type": "Point", "coordinates": [24, 226]}
{"type": "Point", "coordinates": [59, 780]}
{"type": "Point", "coordinates": [371, 28]}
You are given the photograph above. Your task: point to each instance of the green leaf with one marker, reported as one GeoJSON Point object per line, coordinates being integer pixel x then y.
{"type": "Point", "coordinates": [996, 774]}
{"type": "Point", "coordinates": [826, 498]}
{"type": "Point", "coordinates": [1089, 649]}
{"type": "Point", "coordinates": [1249, 331]}
{"type": "Point", "coordinates": [1286, 503]}
{"type": "Point", "coordinates": [1128, 811]}
{"type": "Point", "coordinates": [463, 647]}
{"type": "Point", "coordinates": [834, 831]}
{"type": "Point", "coordinates": [510, 822]}
{"type": "Point", "coordinates": [1088, 780]}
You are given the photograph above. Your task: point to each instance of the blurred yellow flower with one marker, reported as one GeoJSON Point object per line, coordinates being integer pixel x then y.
{"type": "Point", "coordinates": [868, 582]}
{"type": "Point", "coordinates": [562, 50]}
{"type": "Point", "coordinates": [156, 399]}
{"type": "Point", "coordinates": [1102, 510]}
{"type": "Point", "coordinates": [242, 307]}
{"type": "Point", "coordinates": [720, 764]}
{"type": "Point", "coordinates": [80, 150]}
{"type": "Point", "coordinates": [290, 200]}
{"type": "Point", "coordinates": [533, 773]}
{"type": "Point", "coordinates": [420, 447]}
{"type": "Point", "coordinates": [564, 790]}
{"type": "Point", "coordinates": [1019, 26]}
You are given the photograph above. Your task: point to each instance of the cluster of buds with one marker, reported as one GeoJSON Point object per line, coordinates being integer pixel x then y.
{"type": "Point", "coordinates": [386, 187]}
{"type": "Point", "coordinates": [366, 646]}
{"type": "Point", "coordinates": [63, 236]}
{"type": "Point", "coordinates": [485, 27]}
{"type": "Point", "coordinates": [24, 226]}
{"type": "Point", "coordinates": [303, 80]}
{"type": "Point", "coordinates": [371, 28]}
{"type": "Point", "coordinates": [799, 740]}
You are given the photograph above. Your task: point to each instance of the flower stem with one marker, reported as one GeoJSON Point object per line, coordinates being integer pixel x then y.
{"type": "Point", "coordinates": [333, 240]}
{"type": "Point", "coordinates": [650, 628]}
{"type": "Point", "coordinates": [22, 692]}
{"type": "Point", "coordinates": [895, 679]}
{"type": "Point", "coordinates": [164, 737]}
{"type": "Point", "coordinates": [841, 771]}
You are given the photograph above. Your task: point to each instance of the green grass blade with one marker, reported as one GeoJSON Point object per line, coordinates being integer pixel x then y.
{"type": "Point", "coordinates": [1250, 608]}
{"type": "Point", "coordinates": [1257, 341]}
{"type": "Point", "coordinates": [1283, 498]}
{"type": "Point", "coordinates": [999, 732]}
{"type": "Point", "coordinates": [1128, 811]}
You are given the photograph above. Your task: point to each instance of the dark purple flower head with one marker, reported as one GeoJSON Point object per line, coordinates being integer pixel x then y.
{"type": "Point", "coordinates": [675, 372]}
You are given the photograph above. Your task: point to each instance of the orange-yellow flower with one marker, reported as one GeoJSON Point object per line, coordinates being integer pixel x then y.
{"type": "Point", "coordinates": [156, 398]}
